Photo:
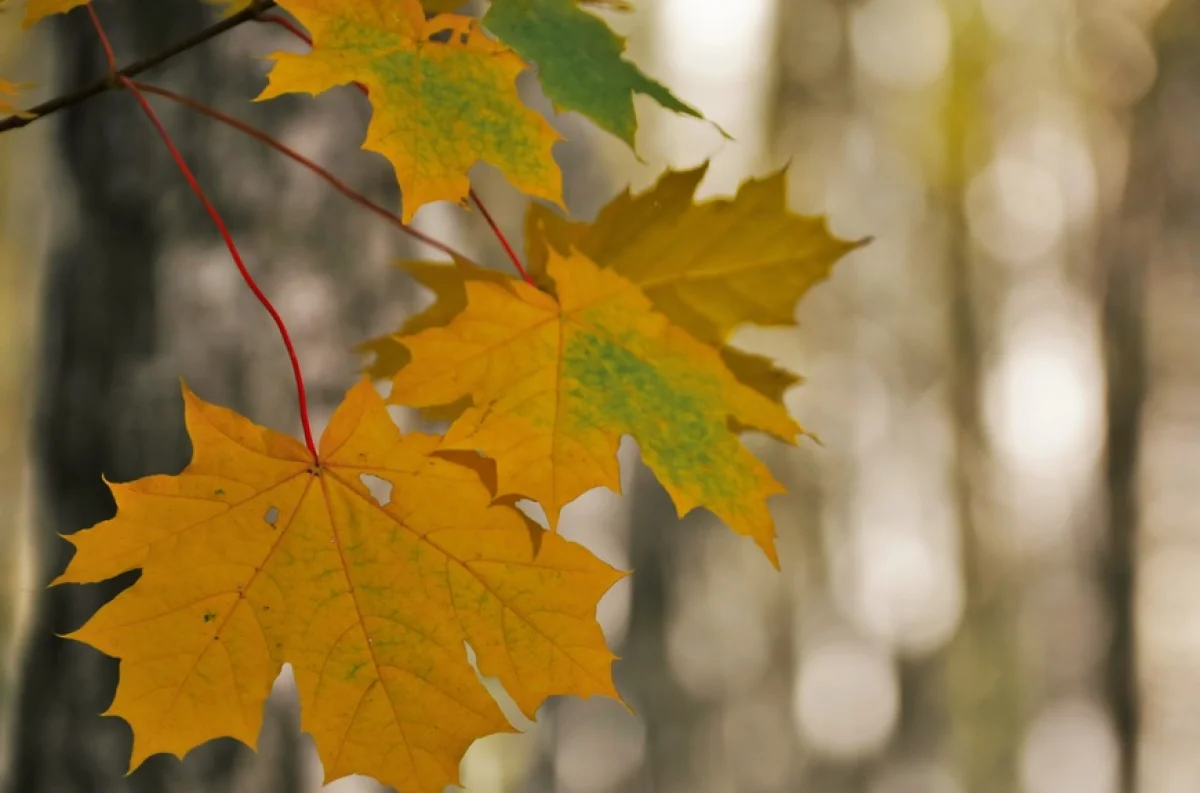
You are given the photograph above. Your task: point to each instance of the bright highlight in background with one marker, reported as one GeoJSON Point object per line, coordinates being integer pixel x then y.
{"type": "Point", "coordinates": [1044, 396]}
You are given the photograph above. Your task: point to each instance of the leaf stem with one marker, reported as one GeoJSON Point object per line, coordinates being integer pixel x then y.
{"type": "Point", "coordinates": [286, 24]}
{"type": "Point", "coordinates": [500, 236]}
{"type": "Point", "coordinates": [333, 181]}
{"type": "Point", "coordinates": [107, 83]}
{"type": "Point", "coordinates": [104, 42]}
{"type": "Point", "coordinates": [237, 259]}
{"type": "Point", "coordinates": [128, 83]}
{"type": "Point", "coordinates": [295, 30]}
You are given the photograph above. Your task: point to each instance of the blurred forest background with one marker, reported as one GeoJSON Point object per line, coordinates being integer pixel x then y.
{"type": "Point", "coordinates": [989, 571]}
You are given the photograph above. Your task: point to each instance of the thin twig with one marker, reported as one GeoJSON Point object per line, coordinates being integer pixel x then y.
{"type": "Point", "coordinates": [108, 82]}
{"type": "Point", "coordinates": [336, 183]}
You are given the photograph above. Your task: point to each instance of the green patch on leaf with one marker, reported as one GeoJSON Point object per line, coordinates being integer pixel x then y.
{"type": "Point", "coordinates": [609, 386]}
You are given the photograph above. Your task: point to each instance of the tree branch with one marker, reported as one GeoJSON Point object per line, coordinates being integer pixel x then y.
{"type": "Point", "coordinates": [108, 82]}
{"type": "Point", "coordinates": [336, 183]}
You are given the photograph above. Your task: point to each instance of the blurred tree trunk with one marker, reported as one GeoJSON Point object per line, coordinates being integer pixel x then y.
{"type": "Point", "coordinates": [1122, 295]}
{"type": "Point", "coordinates": [99, 328]}
{"type": "Point", "coordinates": [643, 675]}
{"type": "Point", "coordinates": [982, 667]}
{"type": "Point", "coordinates": [117, 330]}
{"type": "Point", "coordinates": [1127, 250]}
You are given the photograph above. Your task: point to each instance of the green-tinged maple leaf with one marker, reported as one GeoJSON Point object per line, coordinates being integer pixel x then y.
{"type": "Point", "coordinates": [579, 60]}
{"type": "Point", "coordinates": [444, 95]}
{"type": "Point", "coordinates": [448, 282]}
{"type": "Point", "coordinates": [258, 555]}
{"type": "Point", "coordinates": [556, 382]}
{"type": "Point", "coordinates": [709, 267]}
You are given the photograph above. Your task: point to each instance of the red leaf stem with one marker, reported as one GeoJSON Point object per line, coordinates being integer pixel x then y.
{"type": "Point", "coordinates": [221, 227]}
{"type": "Point", "coordinates": [500, 236]}
{"type": "Point", "coordinates": [286, 24]}
{"type": "Point", "coordinates": [109, 55]}
{"type": "Point", "coordinates": [333, 181]}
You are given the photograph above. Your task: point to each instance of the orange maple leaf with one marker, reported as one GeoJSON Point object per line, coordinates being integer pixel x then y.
{"type": "Point", "coordinates": [256, 555]}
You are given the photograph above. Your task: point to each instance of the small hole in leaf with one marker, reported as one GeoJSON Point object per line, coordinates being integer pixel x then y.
{"type": "Point", "coordinates": [272, 516]}
{"type": "Point", "coordinates": [442, 36]}
{"type": "Point", "coordinates": [381, 489]}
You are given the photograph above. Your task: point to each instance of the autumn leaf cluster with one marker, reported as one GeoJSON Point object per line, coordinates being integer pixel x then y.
{"type": "Point", "coordinates": [265, 550]}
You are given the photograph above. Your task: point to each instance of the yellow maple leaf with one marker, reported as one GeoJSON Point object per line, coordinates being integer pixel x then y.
{"type": "Point", "coordinates": [9, 90]}
{"type": "Point", "coordinates": [709, 267]}
{"type": "Point", "coordinates": [444, 95]}
{"type": "Point", "coordinates": [556, 382]}
{"type": "Point", "coordinates": [256, 555]}
{"type": "Point", "coordinates": [36, 10]}
{"type": "Point", "coordinates": [448, 282]}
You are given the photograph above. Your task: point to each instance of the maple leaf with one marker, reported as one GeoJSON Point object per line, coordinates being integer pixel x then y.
{"type": "Point", "coordinates": [448, 284]}
{"type": "Point", "coordinates": [37, 10]}
{"type": "Point", "coordinates": [10, 89]}
{"type": "Point", "coordinates": [579, 61]}
{"type": "Point", "coordinates": [708, 267]}
{"type": "Point", "coordinates": [256, 555]}
{"type": "Point", "coordinates": [556, 382]}
{"type": "Point", "coordinates": [444, 95]}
